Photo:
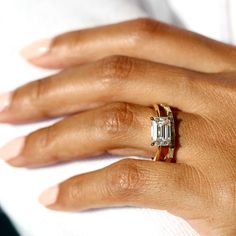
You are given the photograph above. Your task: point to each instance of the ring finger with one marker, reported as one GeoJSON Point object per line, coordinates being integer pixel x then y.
{"type": "Point", "coordinates": [112, 128]}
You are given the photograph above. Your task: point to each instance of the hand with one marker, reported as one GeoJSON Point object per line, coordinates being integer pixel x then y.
{"type": "Point", "coordinates": [106, 100]}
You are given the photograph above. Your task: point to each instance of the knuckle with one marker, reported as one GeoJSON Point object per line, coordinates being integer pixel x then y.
{"type": "Point", "coordinates": [43, 141]}
{"type": "Point", "coordinates": [116, 119]}
{"type": "Point", "coordinates": [124, 179]}
{"type": "Point", "coordinates": [31, 94]}
{"type": "Point", "coordinates": [145, 28]}
{"type": "Point", "coordinates": [47, 137]}
{"type": "Point", "coordinates": [115, 68]}
{"type": "Point", "coordinates": [39, 90]}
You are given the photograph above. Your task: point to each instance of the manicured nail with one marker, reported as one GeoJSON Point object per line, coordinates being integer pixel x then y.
{"type": "Point", "coordinates": [5, 100]}
{"type": "Point", "coordinates": [12, 149]}
{"type": "Point", "coordinates": [36, 49]}
{"type": "Point", "coordinates": [49, 197]}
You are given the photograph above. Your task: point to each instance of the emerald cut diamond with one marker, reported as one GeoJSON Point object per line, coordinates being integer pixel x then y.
{"type": "Point", "coordinates": [161, 131]}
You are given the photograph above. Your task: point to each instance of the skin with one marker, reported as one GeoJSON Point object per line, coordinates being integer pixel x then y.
{"type": "Point", "coordinates": [106, 104]}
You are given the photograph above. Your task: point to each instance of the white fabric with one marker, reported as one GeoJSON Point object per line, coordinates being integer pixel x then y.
{"type": "Point", "coordinates": [24, 21]}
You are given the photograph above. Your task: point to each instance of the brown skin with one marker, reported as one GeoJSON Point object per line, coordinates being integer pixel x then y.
{"type": "Point", "coordinates": [159, 64]}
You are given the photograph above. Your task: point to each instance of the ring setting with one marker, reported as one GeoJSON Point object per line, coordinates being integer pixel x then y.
{"type": "Point", "coordinates": [163, 132]}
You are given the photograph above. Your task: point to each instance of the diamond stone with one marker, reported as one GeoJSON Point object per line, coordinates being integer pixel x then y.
{"type": "Point", "coordinates": [161, 131]}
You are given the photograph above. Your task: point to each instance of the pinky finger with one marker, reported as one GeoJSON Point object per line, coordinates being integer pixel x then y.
{"type": "Point", "coordinates": [129, 182]}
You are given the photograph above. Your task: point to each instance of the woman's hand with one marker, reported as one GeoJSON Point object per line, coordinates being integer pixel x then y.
{"type": "Point", "coordinates": [106, 100]}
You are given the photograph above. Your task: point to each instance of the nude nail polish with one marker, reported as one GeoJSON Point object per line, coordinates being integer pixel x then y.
{"type": "Point", "coordinates": [36, 49]}
{"type": "Point", "coordinates": [12, 149]}
{"type": "Point", "coordinates": [49, 197]}
{"type": "Point", "coordinates": [5, 100]}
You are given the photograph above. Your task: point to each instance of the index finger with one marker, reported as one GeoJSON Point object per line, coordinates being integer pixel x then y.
{"type": "Point", "coordinates": [141, 38]}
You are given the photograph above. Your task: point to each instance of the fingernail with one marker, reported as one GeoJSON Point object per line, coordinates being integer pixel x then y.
{"type": "Point", "coordinates": [12, 149]}
{"type": "Point", "coordinates": [36, 49]}
{"type": "Point", "coordinates": [49, 197]}
{"type": "Point", "coordinates": [5, 100]}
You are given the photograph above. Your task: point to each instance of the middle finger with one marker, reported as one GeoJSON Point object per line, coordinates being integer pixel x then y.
{"type": "Point", "coordinates": [114, 79]}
